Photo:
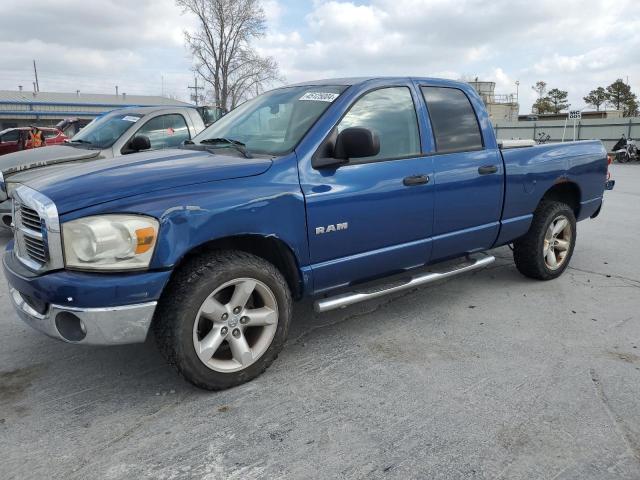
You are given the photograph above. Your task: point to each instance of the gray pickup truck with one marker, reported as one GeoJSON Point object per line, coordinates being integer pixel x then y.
{"type": "Point", "coordinates": [121, 132]}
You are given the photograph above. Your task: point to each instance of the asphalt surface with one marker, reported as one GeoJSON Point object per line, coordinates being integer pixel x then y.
{"type": "Point", "coordinates": [488, 375]}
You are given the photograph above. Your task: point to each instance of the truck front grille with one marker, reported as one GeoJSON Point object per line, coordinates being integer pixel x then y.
{"type": "Point", "coordinates": [37, 230]}
{"type": "Point", "coordinates": [30, 218]}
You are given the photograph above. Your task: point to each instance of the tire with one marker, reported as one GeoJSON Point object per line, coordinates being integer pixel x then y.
{"type": "Point", "coordinates": [199, 332]}
{"type": "Point", "coordinates": [534, 252]}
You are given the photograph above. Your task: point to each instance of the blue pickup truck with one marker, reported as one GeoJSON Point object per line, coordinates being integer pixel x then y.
{"type": "Point", "coordinates": [342, 190]}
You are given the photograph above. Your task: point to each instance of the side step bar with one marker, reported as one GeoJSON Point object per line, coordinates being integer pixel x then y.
{"type": "Point", "coordinates": [346, 299]}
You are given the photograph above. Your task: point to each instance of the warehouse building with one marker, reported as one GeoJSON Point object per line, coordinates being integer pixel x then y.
{"type": "Point", "coordinates": [20, 108]}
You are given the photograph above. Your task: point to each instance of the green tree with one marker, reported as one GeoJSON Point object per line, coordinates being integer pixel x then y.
{"type": "Point", "coordinates": [619, 94]}
{"type": "Point", "coordinates": [631, 108]}
{"type": "Point", "coordinates": [540, 88]}
{"type": "Point", "coordinates": [543, 105]}
{"type": "Point", "coordinates": [558, 100]}
{"type": "Point", "coordinates": [596, 98]}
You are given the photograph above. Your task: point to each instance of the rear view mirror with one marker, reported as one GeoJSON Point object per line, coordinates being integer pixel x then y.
{"type": "Point", "coordinates": [139, 142]}
{"type": "Point", "coordinates": [356, 142]}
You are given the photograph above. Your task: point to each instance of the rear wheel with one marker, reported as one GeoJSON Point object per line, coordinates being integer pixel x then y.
{"type": "Point", "coordinates": [224, 319]}
{"type": "Point", "coordinates": [545, 251]}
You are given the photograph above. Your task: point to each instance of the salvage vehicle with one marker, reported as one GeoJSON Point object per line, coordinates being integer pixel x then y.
{"type": "Point", "coordinates": [120, 132]}
{"type": "Point", "coordinates": [17, 139]}
{"type": "Point", "coordinates": [343, 190]}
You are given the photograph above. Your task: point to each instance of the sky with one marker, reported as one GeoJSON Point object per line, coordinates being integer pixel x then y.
{"type": "Point", "coordinates": [92, 46]}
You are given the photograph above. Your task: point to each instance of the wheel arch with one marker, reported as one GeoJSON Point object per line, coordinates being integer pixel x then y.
{"type": "Point", "coordinates": [270, 248]}
{"type": "Point", "coordinates": [564, 191]}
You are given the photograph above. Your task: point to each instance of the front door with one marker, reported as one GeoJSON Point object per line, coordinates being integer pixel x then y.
{"type": "Point", "coordinates": [468, 176]}
{"type": "Point", "coordinates": [372, 216]}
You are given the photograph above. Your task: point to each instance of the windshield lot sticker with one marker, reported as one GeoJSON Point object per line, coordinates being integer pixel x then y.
{"type": "Point", "coordinates": [320, 96]}
{"type": "Point", "coordinates": [130, 118]}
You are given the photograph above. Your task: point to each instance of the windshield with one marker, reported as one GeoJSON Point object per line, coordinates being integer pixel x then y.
{"type": "Point", "coordinates": [274, 122]}
{"type": "Point", "coordinates": [103, 132]}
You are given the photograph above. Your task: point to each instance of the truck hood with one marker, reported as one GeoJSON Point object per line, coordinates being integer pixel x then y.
{"type": "Point", "coordinates": [40, 157]}
{"type": "Point", "coordinates": [73, 186]}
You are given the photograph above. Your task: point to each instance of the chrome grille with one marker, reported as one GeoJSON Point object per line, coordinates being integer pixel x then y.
{"type": "Point", "coordinates": [35, 248]}
{"type": "Point", "coordinates": [37, 230]}
{"type": "Point", "coordinates": [30, 218]}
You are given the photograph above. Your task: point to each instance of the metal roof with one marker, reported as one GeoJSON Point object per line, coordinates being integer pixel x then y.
{"type": "Point", "coordinates": [86, 99]}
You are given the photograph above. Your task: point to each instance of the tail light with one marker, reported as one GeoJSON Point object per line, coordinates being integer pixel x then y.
{"type": "Point", "coordinates": [609, 184]}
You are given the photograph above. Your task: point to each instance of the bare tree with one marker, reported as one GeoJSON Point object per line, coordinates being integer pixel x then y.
{"type": "Point", "coordinates": [222, 50]}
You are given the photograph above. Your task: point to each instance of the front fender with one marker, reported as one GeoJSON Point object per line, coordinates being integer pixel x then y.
{"type": "Point", "coordinates": [270, 204]}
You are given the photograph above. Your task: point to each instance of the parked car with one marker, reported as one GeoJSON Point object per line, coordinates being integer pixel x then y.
{"type": "Point", "coordinates": [341, 190]}
{"type": "Point", "coordinates": [11, 139]}
{"type": "Point", "coordinates": [120, 132]}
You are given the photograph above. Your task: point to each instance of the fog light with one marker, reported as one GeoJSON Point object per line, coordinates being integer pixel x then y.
{"type": "Point", "coordinates": [70, 327]}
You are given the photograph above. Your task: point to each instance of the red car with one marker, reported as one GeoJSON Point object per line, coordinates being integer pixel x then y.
{"type": "Point", "coordinates": [10, 138]}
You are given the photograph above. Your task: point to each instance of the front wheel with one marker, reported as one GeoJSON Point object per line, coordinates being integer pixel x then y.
{"type": "Point", "coordinates": [546, 249]}
{"type": "Point", "coordinates": [223, 319]}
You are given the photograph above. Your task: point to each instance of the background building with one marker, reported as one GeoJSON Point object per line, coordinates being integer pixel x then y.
{"type": "Point", "coordinates": [500, 107]}
{"type": "Point", "coordinates": [22, 108]}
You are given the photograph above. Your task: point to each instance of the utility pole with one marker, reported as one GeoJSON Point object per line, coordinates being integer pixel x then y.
{"type": "Point", "coordinates": [35, 71]}
{"type": "Point", "coordinates": [195, 88]}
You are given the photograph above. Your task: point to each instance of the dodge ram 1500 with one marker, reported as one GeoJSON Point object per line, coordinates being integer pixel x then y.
{"type": "Point", "coordinates": [342, 190]}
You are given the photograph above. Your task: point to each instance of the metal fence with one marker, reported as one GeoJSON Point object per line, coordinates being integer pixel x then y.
{"type": "Point", "coordinates": [607, 130]}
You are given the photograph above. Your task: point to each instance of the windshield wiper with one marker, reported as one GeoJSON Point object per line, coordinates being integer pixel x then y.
{"type": "Point", "coordinates": [81, 141]}
{"type": "Point", "coordinates": [236, 144]}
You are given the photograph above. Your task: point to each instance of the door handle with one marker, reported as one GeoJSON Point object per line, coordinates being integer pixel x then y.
{"type": "Point", "coordinates": [415, 180]}
{"type": "Point", "coordinates": [487, 169]}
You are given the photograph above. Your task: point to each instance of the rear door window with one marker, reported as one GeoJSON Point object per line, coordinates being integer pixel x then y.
{"type": "Point", "coordinates": [454, 122]}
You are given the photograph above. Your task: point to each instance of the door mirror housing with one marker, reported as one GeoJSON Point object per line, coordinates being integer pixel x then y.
{"type": "Point", "coordinates": [139, 142]}
{"type": "Point", "coordinates": [356, 142]}
{"type": "Point", "coordinates": [353, 142]}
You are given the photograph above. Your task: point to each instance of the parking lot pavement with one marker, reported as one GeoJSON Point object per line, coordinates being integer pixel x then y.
{"type": "Point", "coordinates": [488, 375]}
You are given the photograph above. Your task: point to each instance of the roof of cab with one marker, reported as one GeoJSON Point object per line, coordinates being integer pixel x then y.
{"type": "Point", "coordinates": [349, 81]}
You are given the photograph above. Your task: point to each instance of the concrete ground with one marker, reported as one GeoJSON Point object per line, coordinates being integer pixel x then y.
{"type": "Point", "coordinates": [489, 375]}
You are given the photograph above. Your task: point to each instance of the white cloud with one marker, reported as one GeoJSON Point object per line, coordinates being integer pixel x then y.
{"type": "Point", "coordinates": [574, 45]}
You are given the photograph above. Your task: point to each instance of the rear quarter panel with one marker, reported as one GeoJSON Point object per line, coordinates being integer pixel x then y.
{"type": "Point", "coordinates": [532, 171]}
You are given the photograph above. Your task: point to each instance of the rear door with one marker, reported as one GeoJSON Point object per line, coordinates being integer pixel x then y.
{"type": "Point", "coordinates": [468, 173]}
{"type": "Point", "coordinates": [372, 216]}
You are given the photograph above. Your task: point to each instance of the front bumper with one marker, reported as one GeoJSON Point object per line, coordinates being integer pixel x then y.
{"type": "Point", "coordinates": [89, 326]}
{"type": "Point", "coordinates": [85, 308]}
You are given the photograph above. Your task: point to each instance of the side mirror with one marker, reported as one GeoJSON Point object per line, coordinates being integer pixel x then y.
{"type": "Point", "coordinates": [356, 142]}
{"type": "Point", "coordinates": [353, 142]}
{"type": "Point", "coordinates": [139, 142]}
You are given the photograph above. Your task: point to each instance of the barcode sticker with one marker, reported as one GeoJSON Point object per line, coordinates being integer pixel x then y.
{"type": "Point", "coordinates": [320, 96]}
{"type": "Point", "coordinates": [130, 118]}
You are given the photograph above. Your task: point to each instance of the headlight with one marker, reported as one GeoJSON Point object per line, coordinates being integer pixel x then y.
{"type": "Point", "coordinates": [109, 242]}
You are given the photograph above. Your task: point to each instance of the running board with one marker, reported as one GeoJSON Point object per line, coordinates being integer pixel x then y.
{"type": "Point", "coordinates": [346, 299]}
